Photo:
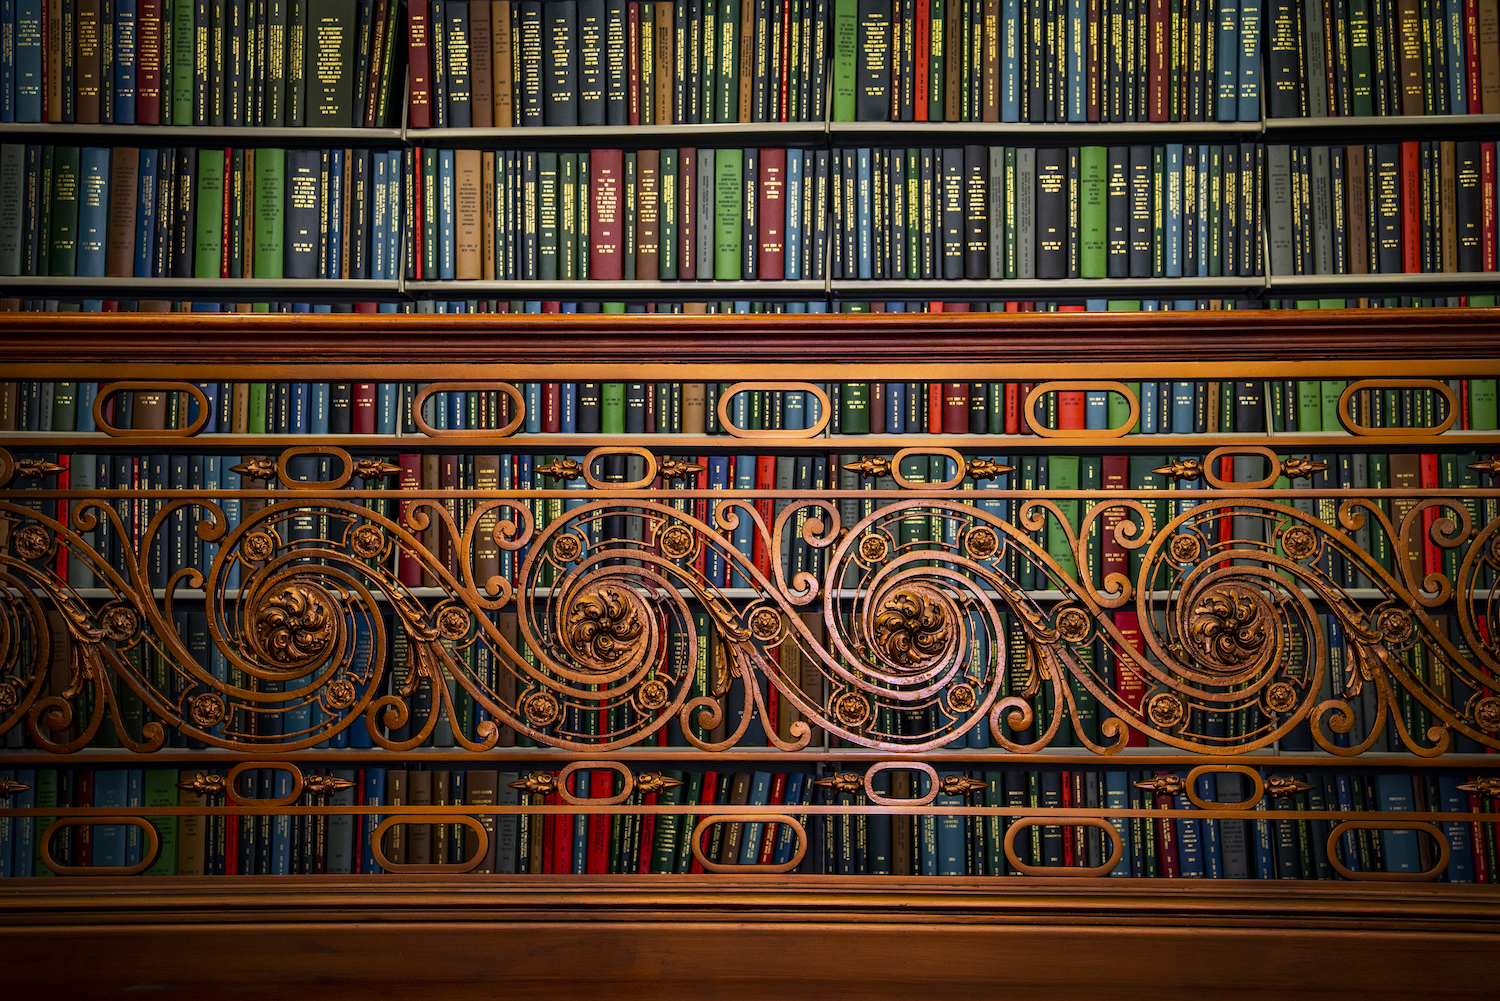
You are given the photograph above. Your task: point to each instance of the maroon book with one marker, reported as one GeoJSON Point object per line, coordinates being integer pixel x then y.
{"type": "Point", "coordinates": [606, 216]}
{"type": "Point", "coordinates": [418, 65]}
{"type": "Point", "coordinates": [771, 213]}
{"type": "Point", "coordinates": [362, 420]}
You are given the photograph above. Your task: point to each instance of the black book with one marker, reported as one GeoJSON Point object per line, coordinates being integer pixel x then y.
{"type": "Point", "coordinates": [1469, 221]}
{"type": "Point", "coordinates": [1283, 47]}
{"type": "Point", "coordinates": [1140, 211]}
{"type": "Point", "coordinates": [234, 70]}
{"type": "Point", "coordinates": [1074, 196]}
{"type": "Point", "coordinates": [1249, 407]}
{"type": "Point", "coordinates": [844, 212]}
{"type": "Point", "coordinates": [364, 43]}
{"type": "Point", "coordinates": [560, 23]}
{"type": "Point", "coordinates": [635, 408]}
{"type": "Point", "coordinates": [616, 83]}
{"type": "Point", "coordinates": [340, 408]}
{"type": "Point", "coordinates": [218, 70]}
{"type": "Point", "coordinates": [303, 227]}
{"type": "Point", "coordinates": [951, 220]}
{"type": "Point", "coordinates": [1052, 212]}
{"type": "Point", "coordinates": [1230, 228]}
{"type": "Point", "coordinates": [588, 408]}
{"type": "Point", "coordinates": [592, 62]}
{"type": "Point", "coordinates": [459, 92]}
{"type": "Point", "coordinates": [976, 213]}
{"type": "Point", "coordinates": [750, 227]}
{"type": "Point", "coordinates": [330, 63]}
{"type": "Point", "coordinates": [359, 213]}
{"type": "Point", "coordinates": [297, 45]}
{"type": "Point", "coordinates": [872, 73]}
{"type": "Point", "coordinates": [273, 100]}
{"type": "Point", "coordinates": [184, 227]}
{"type": "Point", "coordinates": [532, 88]}
{"type": "Point", "coordinates": [1252, 160]}
{"type": "Point", "coordinates": [979, 410]}
{"type": "Point", "coordinates": [203, 68]}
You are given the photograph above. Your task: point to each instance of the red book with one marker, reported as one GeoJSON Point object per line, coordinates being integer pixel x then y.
{"type": "Point", "coordinates": [1471, 54]}
{"type": "Point", "coordinates": [955, 408]}
{"type": "Point", "coordinates": [551, 407]}
{"type": "Point", "coordinates": [1070, 411]}
{"type": "Point", "coordinates": [652, 417]}
{"type": "Point", "coordinates": [606, 220]}
{"type": "Point", "coordinates": [367, 307]}
{"type": "Point", "coordinates": [1166, 838]}
{"type": "Point", "coordinates": [922, 46]}
{"type": "Point", "coordinates": [1487, 204]}
{"type": "Point", "coordinates": [935, 408]}
{"type": "Point", "coordinates": [1065, 782]}
{"type": "Point", "coordinates": [1158, 57]}
{"type": "Point", "coordinates": [765, 479]}
{"type": "Point", "coordinates": [1012, 306]}
{"type": "Point", "coordinates": [601, 786]}
{"type": "Point", "coordinates": [955, 307]}
{"type": "Point", "coordinates": [1432, 556]}
{"type": "Point", "coordinates": [551, 305]}
{"type": "Point", "coordinates": [772, 208]}
{"type": "Point", "coordinates": [877, 407]}
{"type": "Point", "coordinates": [1012, 408]}
{"type": "Point", "coordinates": [1114, 474]}
{"type": "Point", "coordinates": [1463, 403]}
{"type": "Point", "coordinates": [418, 179]}
{"type": "Point", "coordinates": [148, 63]}
{"type": "Point", "coordinates": [648, 831]}
{"type": "Point", "coordinates": [362, 417]}
{"type": "Point", "coordinates": [934, 307]}
{"type": "Point", "coordinates": [83, 795]}
{"type": "Point", "coordinates": [1072, 308]}
{"type": "Point", "coordinates": [687, 225]}
{"type": "Point", "coordinates": [1476, 837]}
{"type": "Point", "coordinates": [1130, 685]}
{"type": "Point", "coordinates": [418, 66]}
{"type": "Point", "coordinates": [408, 569]}
{"type": "Point", "coordinates": [226, 209]}
{"type": "Point", "coordinates": [706, 798]}
{"type": "Point", "coordinates": [633, 62]}
{"type": "Point", "coordinates": [775, 797]}
{"type": "Point", "coordinates": [1411, 228]}
{"type": "Point", "coordinates": [1022, 424]}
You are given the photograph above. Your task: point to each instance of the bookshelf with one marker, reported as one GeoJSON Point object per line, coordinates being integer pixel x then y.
{"type": "Point", "coordinates": [806, 931]}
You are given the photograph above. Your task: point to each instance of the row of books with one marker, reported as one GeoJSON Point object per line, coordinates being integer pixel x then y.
{"type": "Point", "coordinates": [1049, 61]}
{"type": "Point", "coordinates": [1412, 207]}
{"type": "Point", "coordinates": [484, 64]}
{"type": "Point", "coordinates": [1181, 407]}
{"type": "Point", "coordinates": [200, 213]}
{"type": "Point", "coordinates": [1382, 57]}
{"type": "Point", "coordinates": [1201, 846]}
{"type": "Point", "coordinates": [315, 63]}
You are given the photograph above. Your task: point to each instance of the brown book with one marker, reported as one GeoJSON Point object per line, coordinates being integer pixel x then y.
{"type": "Point", "coordinates": [247, 232]}
{"type": "Point", "coordinates": [695, 308]}
{"type": "Point", "coordinates": [1409, 57]}
{"type": "Point", "coordinates": [694, 403]}
{"type": "Point", "coordinates": [739, 795]}
{"type": "Point", "coordinates": [397, 836]}
{"type": "Point", "coordinates": [431, 534]}
{"type": "Point", "coordinates": [442, 834]}
{"type": "Point", "coordinates": [647, 218]}
{"type": "Point", "coordinates": [9, 392]}
{"type": "Point", "coordinates": [791, 668]}
{"type": "Point", "coordinates": [811, 679]}
{"type": "Point", "coordinates": [487, 212]}
{"type": "Point", "coordinates": [239, 408]}
{"type": "Point", "coordinates": [1448, 204]}
{"type": "Point", "coordinates": [747, 62]}
{"type": "Point", "coordinates": [953, 63]}
{"type": "Point", "coordinates": [53, 54]}
{"type": "Point", "coordinates": [149, 410]}
{"type": "Point", "coordinates": [1406, 474]}
{"type": "Point", "coordinates": [124, 166]}
{"type": "Point", "coordinates": [419, 836]}
{"type": "Point", "coordinates": [486, 552]}
{"type": "Point", "coordinates": [1214, 395]}
{"type": "Point", "coordinates": [902, 842]}
{"type": "Point", "coordinates": [192, 831]}
{"type": "Point", "coordinates": [468, 244]}
{"type": "Point", "coordinates": [1489, 57]}
{"type": "Point", "coordinates": [665, 73]}
{"type": "Point", "coordinates": [504, 677]}
{"type": "Point", "coordinates": [502, 64]}
{"type": "Point", "coordinates": [59, 675]}
{"type": "Point", "coordinates": [481, 54]}
{"type": "Point", "coordinates": [989, 90]}
{"type": "Point", "coordinates": [87, 65]}
{"type": "Point", "coordinates": [480, 789]}
{"type": "Point", "coordinates": [1354, 215]}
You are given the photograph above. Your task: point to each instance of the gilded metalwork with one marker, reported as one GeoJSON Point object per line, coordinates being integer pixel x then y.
{"type": "Point", "coordinates": [1285, 787]}
{"type": "Point", "coordinates": [206, 784]}
{"type": "Point", "coordinates": [960, 785]}
{"type": "Point", "coordinates": [537, 783]}
{"type": "Point", "coordinates": [679, 469]}
{"type": "Point", "coordinates": [8, 786]}
{"type": "Point", "coordinates": [35, 469]}
{"type": "Point", "coordinates": [842, 782]}
{"type": "Point", "coordinates": [322, 785]}
{"type": "Point", "coordinates": [649, 782]}
{"type": "Point", "coordinates": [207, 710]}
{"type": "Point", "coordinates": [31, 542]}
{"type": "Point", "coordinates": [1487, 787]}
{"type": "Point", "coordinates": [1165, 709]}
{"type": "Point", "coordinates": [870, 467]}
{"type": "Point", "coordinates": [1163, 785]}
{"type": "Point", "coordinates": [562, 469]}
{"type": "Point", "coordinates": [257, 468]}
{"type": "Point", "coordinates": [1303, 468]}
{"type": "Point", "coordinates": [1488, 467]}
{"type": "Point", "coordinates": [985, 469]}
{"type": "Point", "coordinates": [1181, 469]}
{"type": "Point", "coordinates": [374, 469]}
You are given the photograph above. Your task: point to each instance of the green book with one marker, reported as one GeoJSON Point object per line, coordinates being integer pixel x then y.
{"type": "Point", "coordinates": [159, 788]}
{"type": "Point", "coordinates": [1124, 306]}
{"type": "Point", "coordinates": [667, 216]}
{"type": "Point", "coordinates": [567, 217]}
{"type": "Point", "coordinates": [914, 526]}
{"type": "Point", "coordinates": [64, 406]}
{"type": "Point", "coordinates": [934, 91]}
{"type": "Point", "coordinates": [1091, 477]}
{"type": "Point", "coordinates": [1119, 409]}
{"type": "Point", "coordinates": [208, 253]}
{"type": "Point", "coordinates": [270, 184]}
{"type": "Point", "coordinates": [1093, 216]}
{"type": "Point", "coordinates": [1332, 389]}
{"type": "Point", "coordinates": [668, 827]}
{"type": "Point", "coordinates": [727, 72]}
{"type": "Point", "coordinates": [1309, 406]}
{"type": "Point", "coordinates": [1379, 465]}
{"type": "Point", "coordinates": [1158, 212]}
{"type": "Point", "coordinates": [1144, 477]}
{"type": "Point", "coordinates": [1482, 410]}
{"type": "Point", "coordinates": [854, 408]}
{"type": "Point", "coordinates": [1215, 248]}
{"type": "Point", "coordinates": [1062, 474]}
{"type": "Point", "coordinates": [183, 64]}
{"type": "Point", "coordinates": [845, 45]}
{"type": "Point", "coordinates": [728, 213]}
{"type": "Point", "coordinates": [255, 420]}
{"type": "Point", "coordinates": [612, 405]}
{"type": "Point", "coordinates": [63, 234]}
{"type": "Point", "coordinates": [692, 792]}
{"type": "Point", "coordinates": [546, 221]}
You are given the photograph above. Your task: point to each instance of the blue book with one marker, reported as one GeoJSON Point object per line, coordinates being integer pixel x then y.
{"type": "Point", "coordinates": [23, 835]}
{"type": "Point", "coordinates": [1077, 45]}
{"type": "Point", "coordinates": [895, 408]}
{"type": "Point", "coordinates": [333, 260]}
{"type": "Point", "coordinates": [446, 247]}
{"type": "Point", "coordinates": [395, 218]}
{"type": "Point", "coordinates": [1399, 847]}
{"type": "Point", "coordinates": [281, 828]}
{"type": "Point", "coordinates": [1011, 79]}
{"type": "Point", "coordinates": [1095, 305]}
{"type": "Point", "coordinates": [457, 418]}
{"type": "Point", "coordinates": [1261, 844]}
{"type": "Point", "coordinates": [387, 398]}
{"type": "Point", "coordinates": [1117, 797]}
{"type": "Point", "coordinates": [534, 407]}
{"type": "Point", "coordinates": [111, 788]}
{"type": "Point", "coordinates": [793, 410]}
{"type": "Point", "coordinates": [1189, 842]}
{"type": "Point", "coordinates": [1182, 407]}
{"type": "Point", "coordinates": [718, 479]}
{"type": "Point", "coordinates": [580, 825]}
{"type": "Point", "coordinates": [1203, 180]}
{"type": "Point", "coordinates": [29, 79]}
{"type": "Point", "coordinates": [754, 833]}
{"type": "Point", "coordinates": [210, 393]}
{"type": "Point", "coordinates": [1096, 410]}
{"type": "Point", "coordinates": [796, 786]}
{"type": "Point", "coordinates": [230, 480]}
{"type": "Point", "coordinates": [793, 213]}
{"type": "Point", "coordinates": [1453, 12]}
{"type": "Point", "coordinates": [1173, 211]}
{"type": "Point", "coordinates": [567, 416]}
{"type": "Point", "coordinates": [379, 237]}
{"type": "Point", "coordinates": [1346, 805]}
{"type": "Point", "coordinates": [743, 536]}
{"type": "Point", "coordinates": [373, 794]}
{"type": "Point", "coordinates": [951, 849]}
{"type": "Point", "coordinates": [125, 48]}
{"type": "Point", "coordinates": [86, 393]}
{"type": "Point", "coordinates": [93, 211]}
{"type": "Point", "coordinates": [1208, 830]}
{"type": "Point", "coordinates": [1460, 858]}
{"type": "Point", "coordinates": [864, 234]}
{"type": "Point", "coordinates": [7, 834]}
{"type": "Point", "coordinates": [317, 408]}
{"type": "Point", "coordinates": [1227, 62]}
{"type": "Point", "coordinates": [1249, 68]}
{"type": "Point", "coordinates": [978, 732]}
{"type": "Point", "coordinates": [8, 64]}
{"type": "Point", "coordinates": [145, 215]}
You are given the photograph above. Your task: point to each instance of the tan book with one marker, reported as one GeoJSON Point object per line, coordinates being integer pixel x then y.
{"type": "Point", "coordinates": [694, 394]}
{"type": "Point", "coordinates": [1409, 50]}
{"type": "Point", "coordinates": [1354, 215]}
{"type": "Point", "coordinates": [468, 245]}
{"type": "Point", "coordinates": [665, 73]}
{"type": "Point", "coordinates": [504, 677]}
{"type": "Point", "coordinates": [696, 308]}
{"type": "Point", "coordinates": [419, 836]}
{"type": "Point", "coordinates": [192, 830]}
{"type": "Point", "coordinates": [502, 68]}
{"type": "Point", "coordinates": [87, 65]}
{"type": "Point", "coordinates": [901, 833]}
{"type": "Point", "coordinates": [9, 393]}
{"type": "Point", "coordinates": [397, 835]}
{"type": "Point", "coordinates": [239, 412]}
{"type": "Point", "coordinates": [442, 834]}
{"type": "Point", "coordinates": [648, 215]}
{"type": "Point", "coordinates": [811, 679]}
{"type": "Point", "coordinates": [791, 669]}
{"type": "Point", "coordinates": [481, 59]}
{"type": "Point", "coordinates": [1448, 204]}
{"type": "Point", "coordinates": [1214, 391]}
{"type": "Point", "coordinates": [487, 212]}
{"type": "Point", "coordinates": [486, 552]}
{"type": "Point", "coordinates": [480, 789]}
